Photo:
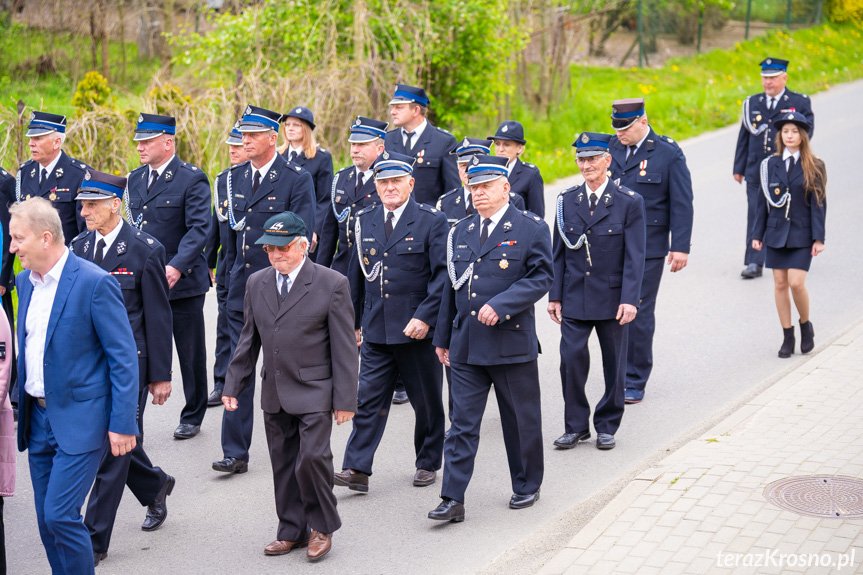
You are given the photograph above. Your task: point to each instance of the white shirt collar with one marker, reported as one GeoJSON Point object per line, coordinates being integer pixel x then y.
{"type": "Point", "coordinates": [161, 168]}
{"type": "Point", "coordinates": [111, 237]}
{"type": "Point", "coordinates": [786, 153]}
{"type": "Point", "coordinates": [265, 168]}
{"type": "Point", "coordinates": [397, 213]}
{"type": "Point", "coordinates": [50, 167]}
{"type": "Point", "coordinates": [417, 132]}
{"type": "Point", "coordinates": [599, 191]}
{"type": "Point", "coordinates": [495, 217]}
{"type": "Point", "coordinates": [777, 97]}
{"type": "Point", "coordinates": [292, 149]}
{"type": "Point", "coordinates": [292, 274]}
{"type": "Point", "coordinates": [511, 165]}
{"type": "Point", "coordinates": [641, 141]}
{"type": "Point", "coordinates": [54, 273]}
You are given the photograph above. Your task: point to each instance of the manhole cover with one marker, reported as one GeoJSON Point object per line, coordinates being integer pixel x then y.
{"type": "Point", "coordinates": [819, 496]}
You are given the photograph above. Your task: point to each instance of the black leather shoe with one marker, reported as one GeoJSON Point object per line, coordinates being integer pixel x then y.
{"type": "Point", "coordinates": [215, 398]}
{"type": "Point", "coordinates": [97, 557]}
{"type": "Point", "coordinates": [186, 431]}
{"type": "Point", "coordinates": [400, 397]}
{"type": "Point", "coordinates": [518, 501]}
{"type": "Point", "coordinates": [448, 510]}
{"type": "Point", "coordinates": [751, 271]}
{"type": "Point", "coordinates": [604, 441]}
{"type": "Point", "coordinates": [231, 465]}
{"type": "Point", "coordinates": [807, 337]}
{"type": "Point", "coordinates": [787, 342]}
{"type": "Point", "coordinates": [157, 511]}
{"type": "Point", "coordinates": [570, 440]}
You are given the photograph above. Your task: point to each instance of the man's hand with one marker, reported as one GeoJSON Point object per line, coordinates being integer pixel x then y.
{"type": "Point", "coordinates": [212, 276]}
{"type": "Point", "coordinates": [756, 245]}
{"type": "Point", "coordinates": [230, 403]}
{"type": "Point", "coordinates": [314, 243]}
{"type": "Point", "coordinates": [121, 444]}
{"type": "Point", "coordinates": [161, 391]}
{"type": "Point", "coordinates": [359, 334]}
{"type": "Point", "coordinates": [626, 313]}
{"type": "Point", "coordinates": [343, 416]}
{"type": "Point", "coordinates": [817, 247]}
{"type": "Point", "coordinates": [487, 315]}
{"type": "Point", "coordinates": [2, 291]}
{"type": "Point", "coordinates": [173, 274]}
{"type": "Point", "coordinates": [678, 260]}
{"type": "Point", "coordinates": [442, 355]}
{"type": "Point", "coordinates": [416, 329]}
{"type": "Point", "coordinates": [554, 311]}
{"type": "Point", "coordinates": [738, 178]}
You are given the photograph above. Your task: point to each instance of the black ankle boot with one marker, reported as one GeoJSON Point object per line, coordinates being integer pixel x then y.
{"type": "Point", "coordinates": [788, 344]}
{"type": "Point", "coordinates": [807, 337]}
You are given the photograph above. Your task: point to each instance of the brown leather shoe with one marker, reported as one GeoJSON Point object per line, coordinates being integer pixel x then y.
{"type": "Point", "coordinates": [422, 478]}
{"type": "Point", "coordinates": [319, 545]}
{"type": "Point", "coordinates": [282, 547]}
{"type": "Point", "coordinates": [353, 480]}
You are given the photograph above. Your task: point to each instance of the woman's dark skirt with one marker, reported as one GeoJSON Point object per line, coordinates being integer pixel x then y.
{"type": "Point", "coordinates": [788, 258]}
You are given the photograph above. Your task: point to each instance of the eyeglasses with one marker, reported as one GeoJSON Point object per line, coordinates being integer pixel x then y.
{"type": "Point", "coordinates": [590, 159]}
{"type": "Point", "coordinates": [283, 249]}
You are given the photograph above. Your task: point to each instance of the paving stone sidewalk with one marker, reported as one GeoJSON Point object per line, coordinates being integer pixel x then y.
{"type": "Point", "coordinates": [703, 510]}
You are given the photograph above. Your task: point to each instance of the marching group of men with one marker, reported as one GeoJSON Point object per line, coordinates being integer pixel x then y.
{"type": "Point", "coordinates": [430, 259]}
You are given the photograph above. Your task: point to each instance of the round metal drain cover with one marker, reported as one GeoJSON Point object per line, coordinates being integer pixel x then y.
{"type": "Point", "coordinates": [819, 496]}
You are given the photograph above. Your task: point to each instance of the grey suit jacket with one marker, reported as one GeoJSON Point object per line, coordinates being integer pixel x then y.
{"type": "Point", "coordinates": [310, 350]}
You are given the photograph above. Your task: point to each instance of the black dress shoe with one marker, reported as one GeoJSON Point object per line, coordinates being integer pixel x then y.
{"type": "Point", "coordinates": [751, 271]}
{"type": "Point", "coordinates": [604, 441]}
{"type": "Point", "coordinates": [97, 557]}
{"type": "Point", "coordinates": [215, 398]}
{"type": "Point", "coordinates": [570, 440]}
{"type": "Point", "coordinates": [448, 510]}
{"type": "Point", "coordinates": [157, 511]}
{"type": "Point", "coordinates": [400, 397]}
{"type": "Point", "coordinates": [231, 465]}
{"type": "Point", "coordinates": [518, 501]}
{"type": "Point", "coordinates": [186, 431]}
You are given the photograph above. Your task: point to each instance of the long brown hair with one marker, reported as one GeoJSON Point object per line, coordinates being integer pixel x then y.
{"type": "Point", "coordinates": [309, 144]}
{"type": "Point", "coordinates": [814, 171]}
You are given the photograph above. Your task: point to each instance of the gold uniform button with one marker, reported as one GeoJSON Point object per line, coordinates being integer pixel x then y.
{"type": "Point", "coordinates": [144, 223]}
{"type": "Point", "coordinates": [145, 207]}
{"type": "Point", "coordinates": [189, 271]}
{"type": "Point", "coordinates": [476, 277]}
{"type": "Point", "coordinates": [516, 326]}
{"type": "Point", "coordinates": [139, 352]}
{"type": "Point", "coordinates": [478, 260]}
{"type": "Point", "coordinates": [473, 313]}
{"type": "Point", "coordinates": [353, 206]}
{"type": "Point", "coordinates": [248, 265]}
{"type": "Point", "coordinates": [473, 295]}
{"type": "Point", "coordinates": [168, 202]}
{"type": "Point", "coordinates": [386, 268]}
{"type": "Point", "coordinates": [588, 231]}
{"type": "Point", "coordinates": [588, 274]}
{"type": "Point", "coordinates": [386, 281]}
{"type": "Point", "coordinates": [386, 296]}
{"type": "Point", "coordinates": [386, 255]}
{"type": "Point", "coordinates": [250, 210]}
{"type": "Point", "coordinates": [507, 317]}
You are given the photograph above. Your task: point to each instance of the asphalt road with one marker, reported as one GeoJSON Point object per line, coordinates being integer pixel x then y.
{"type": "Point", "coordinates": [716, 341]}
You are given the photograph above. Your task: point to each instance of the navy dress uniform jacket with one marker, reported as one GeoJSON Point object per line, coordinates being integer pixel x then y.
{"type": "Point", "coordinates": [526, 181]}
{"type": "Point", "coordinates": [413, 260]}
{"type": "Point", "coordinates": [177, 213]}
{"type": "Point", "coordinates": [751, 150]}
{"type": "Point", "coordinates": [335, 242]}
{"type": "Point", "coordinates": [286, 187]}
{"type": "Point", "coordinates": [615, 237]}
{"type": "Point", "coordinates": [453, 204]}
{"type": "Point", "coordinates": [512, 271]}
{"type": "Point", "coordinates": [60, 189]}
{"type": "Point", "coordinates": [666, 188]}
{"type": "Point", "coordinates": [7, 198]}
{"type": "Point", "coordinates": [806, 219]}
{"type": "Point", "coordinates": [219, 234]}
{"type": "Point", "coordinates": [137, 261]}
{"type": "Point", "coordinates": [321, 169]}
{"type": "Point", "coordinates": [435, 170]}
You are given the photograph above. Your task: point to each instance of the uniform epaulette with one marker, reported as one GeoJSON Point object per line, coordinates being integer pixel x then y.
{"type": "Point", "coordinates": [322, 149]}
{"type": "Point", "coordinates": [223, 172]}
{"type": "Point", "coordinates": [530, 165]}
{"type": "Point", "coordinates": [146, 239]}
{"type": "Point", "coordinates": [138, 169]}
{"type": "Point", "coordinates": [572, 189]}
{"type": "Point", "coordinates": [21, 167]}
{"type": "Point", "coordinates": [444, 131]}
{"type": "Point", "coordinates": [449, 193]}
{"type": "Point", "coordinates": [189, 166]}
{"type": "Point", "coordinates": [428, 208]}
{"type": "Point", "coordinates": [531, 216]}
{"type": "Point", "coordinates": [366, 210]}
{"type": "Point", "coordinates": [668, 140]}
{"type": "Point", "coordinates": [3, 172]}
{"type": "Point", "coordinates": [79, 236]}
{"type": "Point", "coordinates": [463, 219]}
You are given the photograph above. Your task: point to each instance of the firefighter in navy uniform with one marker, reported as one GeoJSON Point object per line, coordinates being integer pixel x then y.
{"type": "Point", "coordinates": [51, 173]}
{"type": "Point", "coordinates": [458, 203]}
{"type": "Point", "coordinates": [655, 168]}
{"type": "Point", "coordinates": [220, 258]}
{"type": "Point", "coordinates": [265, 185]}
{"type": "Point", "coordinates": [353, 189]}
{"type": "Point", "coordinates": [524, 179]}
{"type": "Point", "coordinates": [170, 200]}
{"type": "Point", "coordinates": [599, 241]}
{"type": "Point", "coordinates": [757, 140]}
{"type": "Point", "coordinates": [137, 261]}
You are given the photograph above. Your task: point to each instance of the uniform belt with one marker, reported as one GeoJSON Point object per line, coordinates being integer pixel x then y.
{"type": "Point", "coordinates": [38, 400]}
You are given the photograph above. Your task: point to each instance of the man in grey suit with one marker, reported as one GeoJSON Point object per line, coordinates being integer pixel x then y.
{"type": "Point", "coordinates": [301, 314]}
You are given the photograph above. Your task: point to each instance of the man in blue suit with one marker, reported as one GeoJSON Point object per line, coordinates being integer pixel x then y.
{"type": "Point", "coordinates": [654, 167]}
{"type": "Point", "coordinates": [401, 246]}
{"type": "Point", "coordinates": [598, 268]}
{"type": "Point", "coordinates": [266, 185]}
{"type": "Point", "coordinates": [79, 383]}
{"type": "Point", "coordinates": [757, 139]}
{"type": "Point", "coordinates": [499, 263]}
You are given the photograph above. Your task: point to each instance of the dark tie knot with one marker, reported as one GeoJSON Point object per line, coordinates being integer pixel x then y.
{"type": "Point", "coordinates": [593, 200]}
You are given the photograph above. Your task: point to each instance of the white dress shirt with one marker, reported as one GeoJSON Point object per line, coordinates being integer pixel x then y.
{"type": "Point", "coordinates": [599, 191]}
{"type": "Point", "coordinates": [787, 154]}
{"type": "Point", "coordinates": [291, 275]}
{"type": "Point", "coordinates": [110, 238]}
{"type": "Point", "coordinates": [264, 169]}
{"type": "Point", "coordinates": [50, 167]}
{"type": "Point", "coordinates": [774, 100]}
{"type": "Point", "coordinates": [160, 169]}
{"type": "Point", "coordinates": [397, 213]}
{"type": "Point", "coordinates": [293, 150]}
{"type": "Point", "coordinates": [418, 131]}
{"type": "Point", "coordinates": [36, 328]}
{"type": "Point", "coordinates": [495, 219]}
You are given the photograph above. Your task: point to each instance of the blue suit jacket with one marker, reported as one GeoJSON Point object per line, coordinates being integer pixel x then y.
{"type": "Point", "coordinates": [321, 169]}
{"type": "Point", "coordinates": [526, 181]}
{"type": "Point", "coordinates": [91, 364]}
{"type": "Point", "coordinates": [177, 213]}
{"type": "Point", "coordinates": [412, 277]}
{"type": "Point", "coordinates": [512, 271]}
{"type": "Point", "coordinates": [751, 150]}
{"type": "Point", "coordinates": [219, 250]}
{"type": "Point", "coordinates": [806, 219]}
{"type": "Point", "coordinates": [437, 172]}
{"type": "Point", "coordinates": [60, 189]}
{"type": "Point", "coordinates": [453, 204]}
{"type": "Point", "coordinates": [7, 198]}
{"type": "Point", "coordinates": [666, 188]}
{"type": "Point", "coordinates": [615, 234]}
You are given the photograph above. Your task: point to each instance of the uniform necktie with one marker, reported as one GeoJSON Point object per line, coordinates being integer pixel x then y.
{"type": "Point", "coordinates": [408, 145]}
{"type": "Point", "coordinates": [286, 286]}
{"type": "Point", "coordinates": [154, 175]}
{"type": "Point", "coordinates": [483, 236]}
{"type": "Point", "coordinates": [293, 155]}
{"type": "Point", "coordinates": [772, 105]}
{"type": "Point", "coordinates": [388, 227]}
{"type": "Point", "coordinates": [43, 176]}
{"type": "Point", "coordinates": [100, 249]}
{"type": "Point", "coordinates": [257, 181]}
{"type": "Point", "coordinates": [593, 200]}
{"type": "Point", "coordinates": [469, 207]}
{"type": "Point", "coordinates": [359, 183]}
{"type": "Point", "coordinates": [790, 164]}
{"type": "Point", "coordinates": [630, 151]}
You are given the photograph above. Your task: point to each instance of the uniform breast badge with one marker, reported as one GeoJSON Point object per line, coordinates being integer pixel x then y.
{"type": "Point", "coordinates": [643, 167]}
{"type": "Point", "coordinates": [504, 264]}
{"type": "Point", "coordinates": [373, 252]}
{"type": "Point", "coordinates": [420, 156]}
{"type": "Point", "coordinates": [59, 173]}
